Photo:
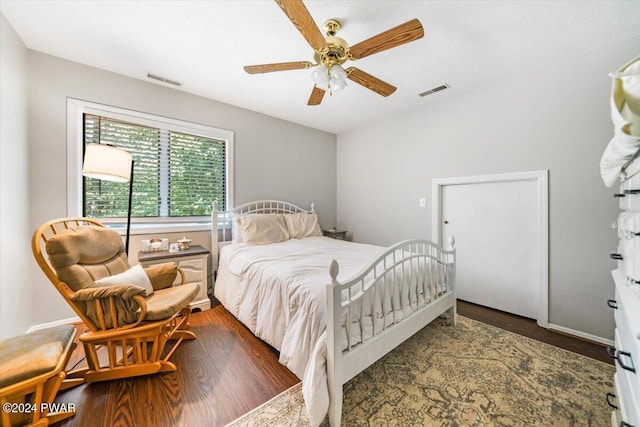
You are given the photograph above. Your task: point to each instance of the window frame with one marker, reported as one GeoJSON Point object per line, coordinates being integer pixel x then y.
{"type": "Point", "coordinates": [77, 108]}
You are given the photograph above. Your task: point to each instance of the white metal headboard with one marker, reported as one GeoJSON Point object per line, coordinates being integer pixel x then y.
{"type": "Point", "coordinates": [222, 222]}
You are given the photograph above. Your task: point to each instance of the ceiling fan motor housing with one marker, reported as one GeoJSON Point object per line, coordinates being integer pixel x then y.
{"type": "Point", "coordinates": [336, 52]}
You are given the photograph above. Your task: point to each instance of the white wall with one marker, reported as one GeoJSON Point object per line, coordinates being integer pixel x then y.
{"type": "Point", "coordinates": [274, 159]}
{"type": "Point", "coordinates": [555, 117]}
{"type": "Point", "coordinates": [15, 230]}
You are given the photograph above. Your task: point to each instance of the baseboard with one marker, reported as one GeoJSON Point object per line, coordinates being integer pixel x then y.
{"type": "Point", "coordinates": [70, 320]}
{"type": "Point", "coordinates": [582, 335]}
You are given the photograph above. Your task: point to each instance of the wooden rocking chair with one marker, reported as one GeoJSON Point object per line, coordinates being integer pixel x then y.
{"type": "Point", "coordinates": [132, 327]}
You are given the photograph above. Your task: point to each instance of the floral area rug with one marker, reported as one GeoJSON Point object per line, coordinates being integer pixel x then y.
{"type": "Point", "coordinates": [470, 375]}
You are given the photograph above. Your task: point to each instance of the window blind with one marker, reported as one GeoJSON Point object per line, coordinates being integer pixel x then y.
{"type": "Point", "coordinates": [175, 174]}
{"type": "Point", "coordinates": [196, 174]}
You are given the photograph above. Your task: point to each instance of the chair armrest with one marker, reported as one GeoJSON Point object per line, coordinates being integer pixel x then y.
{"type": "Point", "coordinates": [163, 275]}
{"type": "Point", "coordinates": [112, 306]}
{"type": "Point", "coordinates": [125, 292]}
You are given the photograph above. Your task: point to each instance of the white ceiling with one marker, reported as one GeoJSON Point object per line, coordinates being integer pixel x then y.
{"type": "Point", "coordinates": [205, 44]}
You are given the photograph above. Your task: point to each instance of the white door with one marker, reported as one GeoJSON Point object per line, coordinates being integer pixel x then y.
{"type": "Point", "coordinates": [498, 230]}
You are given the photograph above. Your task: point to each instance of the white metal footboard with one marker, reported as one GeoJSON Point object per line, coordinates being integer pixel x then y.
{"type": "Point", "coordinates": [406, 288]}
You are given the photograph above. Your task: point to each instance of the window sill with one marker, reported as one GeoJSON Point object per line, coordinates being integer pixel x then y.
{"type": "Point", "coordinates": [143, 229]}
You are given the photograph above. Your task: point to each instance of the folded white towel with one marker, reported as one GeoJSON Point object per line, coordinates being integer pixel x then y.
{"type": "Point", "coordinates": [621, 158]}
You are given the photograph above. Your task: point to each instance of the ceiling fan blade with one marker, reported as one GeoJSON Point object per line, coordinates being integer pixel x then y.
{"type": "Point", "coordinates": [316, 96]}
{"type": "Point", "coordinates": [298, 14]}
{"type": "Point", "coordinates": [281, 66]}
{"type": "Point", "coordinates": [404, 33]}
{"type": "Point", "coordinates": [370, 82]}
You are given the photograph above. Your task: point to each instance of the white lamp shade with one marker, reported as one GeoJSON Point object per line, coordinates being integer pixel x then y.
{"type": "Point", "coordinates": [321, 77]}
{"type": "Point", "coordinates": [102, 161]}
{"type": "Point", "coordinates": [338, 85]}
{"type": "Point", "coordinates": [338, 73]}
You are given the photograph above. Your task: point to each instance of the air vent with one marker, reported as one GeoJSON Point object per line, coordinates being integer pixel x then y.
{"type": "Point", "coordinates": [434, 90]}
{"type": "Point", "coordinates": [164, 79]}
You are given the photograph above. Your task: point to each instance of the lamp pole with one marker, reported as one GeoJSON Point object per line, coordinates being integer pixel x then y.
{"type": "Point", "coordinates": [129, 208]}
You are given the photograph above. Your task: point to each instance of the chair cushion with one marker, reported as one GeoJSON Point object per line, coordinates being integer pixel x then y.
{"type": "Point", "coordinates": [162, 275]}
{"type": "Point", "coordinates": [81, 255]}
{"type": "Point", "coordinates": [134, 276]}
{"type": "Point", "coordinates": [26, 356]}
{"type": "Point", "coordinates": [167, 302]}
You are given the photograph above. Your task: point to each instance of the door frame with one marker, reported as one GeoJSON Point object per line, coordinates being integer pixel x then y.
{"type": "Point", "coordinates": [541, 178]}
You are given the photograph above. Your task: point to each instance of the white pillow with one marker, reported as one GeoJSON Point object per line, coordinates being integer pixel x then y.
{"type": "Point", "coordinates": [259, 229]}
{"type": "Point", "coordinates": [236, 229]}
{"type": "Point", "coordinates": [302, 224]}
{"type": "Point", "coordinates": [134, 276]}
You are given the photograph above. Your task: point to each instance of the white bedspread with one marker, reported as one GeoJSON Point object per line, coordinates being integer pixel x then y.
{"type": "Point", "coordinates": [279, 292]}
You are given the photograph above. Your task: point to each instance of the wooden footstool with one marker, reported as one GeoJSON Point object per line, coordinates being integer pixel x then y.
{"type": "Point", "coordinates": [32, 370]}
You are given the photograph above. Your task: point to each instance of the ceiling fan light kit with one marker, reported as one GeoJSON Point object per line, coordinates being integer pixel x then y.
{"type": "Point", "coordinates": [329, 78]}
{"type": "Point", "coordinates": [331, 52]}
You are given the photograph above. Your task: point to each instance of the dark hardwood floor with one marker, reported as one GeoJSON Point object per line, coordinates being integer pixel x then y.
{"type": "Point", "coordinates": [227, 371]}
{"type": "Point", "coordinates": [221, 375]}
{"type": "Point", "coordinates": [529, 328]}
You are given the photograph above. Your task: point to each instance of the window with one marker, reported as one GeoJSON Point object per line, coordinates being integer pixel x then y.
{"type": "Point", "coordinates": [179, 169]}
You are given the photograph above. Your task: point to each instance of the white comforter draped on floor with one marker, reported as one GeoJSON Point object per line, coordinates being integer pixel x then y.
{"type": "Point", "coordinates": [279, 292]}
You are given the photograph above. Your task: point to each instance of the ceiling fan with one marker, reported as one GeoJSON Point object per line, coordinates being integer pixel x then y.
{"type": "Point", "coordinates": [331, 52]}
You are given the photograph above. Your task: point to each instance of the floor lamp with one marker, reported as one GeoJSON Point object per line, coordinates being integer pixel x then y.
{"type": "Point", "coordinates": [109, 163]}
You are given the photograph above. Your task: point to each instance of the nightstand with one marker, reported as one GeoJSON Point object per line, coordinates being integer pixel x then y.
{"type": "Point", "coordinates": [192, 261]}
{"type": "Point", "coordinates": [335, 234]}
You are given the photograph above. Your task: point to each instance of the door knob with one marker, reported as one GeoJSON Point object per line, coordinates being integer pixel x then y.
{"type": "Point", "coordinates": [446, 222]}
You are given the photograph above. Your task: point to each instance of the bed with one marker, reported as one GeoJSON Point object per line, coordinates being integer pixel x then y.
{"type": "Point", "coordinates": [330, 307]}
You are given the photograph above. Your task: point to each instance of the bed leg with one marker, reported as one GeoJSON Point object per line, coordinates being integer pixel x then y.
{"type": "Point", "coordinates": [453, 316]}
{"type": "Point", "coordinates": [335, 406]}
